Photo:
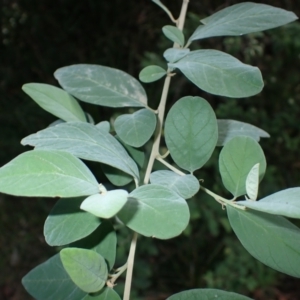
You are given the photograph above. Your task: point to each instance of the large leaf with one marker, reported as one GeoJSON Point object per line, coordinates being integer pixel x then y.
{"type": "Point", "coordinates": [44, 173]}
{"type": "Point", "coordinates": [137, 128]}
{"type": "Point", "coordinates": [271, 239]}
{"type": "Point", "coordinates": [156, 211]}
{"type": "Point", "coordinates": [86, 268]}
{"type": "Point", "coordinates": [236, 160]}
{"type": "Point", "coordinates": [207, 294]}
{"type": "Point", "coordinates": [284, 203]}
{"type": "Point", "coordinates": [174, 34]}
{"type": "Point", "coordinates": [231, 128]}
{"type": "Point", "coordinates": [191, 132]}
{"type": "Point", "coordinates": [242, 18]}
{"type": "Point", "coordinates": [55, 100]}
{"type": "Point", "coordinates": [105, 294]}
{"type": "Point", "coordinates": [67, 223]}
{"type": "Point", "coordinates": [101, 85]}
{"type": "Point", "coordinates": [49, 281]}
{"type": "Point", "coordinates": [185, 186]}
{"type": "Point", "coordinates": [85, 141]}
{"type": "Point", "coordinates": [219, 73]}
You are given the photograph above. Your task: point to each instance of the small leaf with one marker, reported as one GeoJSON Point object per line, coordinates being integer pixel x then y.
{"type": "Point", "coordinates": [152, 73]}
{"type": "Point", "coordinates": [231, 128]}
{"type": "Point", "coordinates": [252, 182]}
{"type": "Point", "coordinates": [185, 186]}
{"type": "Point", "coordinates": [163, 7]}
{"type": "Point", "coordinates": [49, 281]}
{"type": "Point", "coordinates": [271, 239]}
{"type": "Point", "coordinates": [284, 203]}
{"type": "Point", "coordinates": [207, 294]}
{"type": "Point", "coordinates": [154, 210]}
{"type": "Point", "coordinates": [105, 294]}
{"type": "Point", "coordinates": [55, 101]}
{"type": "Point", "coordinates": [105, 205]}
{"type": "Point", "coordinates": [191, 132]}
{"type": "Point", "coordinates": [236, 159]}
{"type": "Point", "coordinates": [44, 173]}
{"type": "Point", "coordinates": [101, 86]}
{"type": "Point", "coordinates": [137, 128]}
{"type": "Point", "coordinates": [174, 34]}
{"type": "Point", "coordinates": [115, 176]}
{"type": "Point", "coordinates": [86, 268]}
{"type": "Point", "coordinates": [67, 223]}
{"type": "Point", "coordinates": [104, 125]}
{"type": "Point", "coordinates": [221, 74]}
{"type": "Point", "coordinates": [241, 19]}
{"type": "Point", "coordinates": [174, 54]}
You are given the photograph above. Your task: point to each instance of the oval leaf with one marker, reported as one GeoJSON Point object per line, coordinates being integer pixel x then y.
{"type": "Point", "coordinates": [49, 281]}
{"type": "Point", "coordinates": [252, 182]}
{"type": "Point", "coordinates": [105, 294]}
{"type": "Point", "coordinates": [137, 128]}
{"type": "Point", "coordinates": [105, 205]}
{"type": "Point", "coordinates": [154, 210]}
{"type": "Point", "coordinates": [86, 268]}
{"type": "Point", "coordinates": [101, 85]}
{"type": "Point", "coordinates": [185, 186]}
{"type": "Point", "coordinates": [236, 159]}
{"type": "Point", "coordinates": [174, 34]}
{"type": "Point", "coordinates": [104, 125]}
{"type": "Point", "coordinates": [284, 203]}
{"type": "Point", "coordinates": [85, 141]}
{"type": "Point", "coordinates": [221, 74]}
{"type": "Point", "coordinates": [152, 73]}
{"type": "Point", "coordinates": [241, 19]}
{"type": "Point", "coordinates": [67, 223]}
{"type": "Point", "coordinates": [115, 176]}
{"type": "Point", "coordinates": [44, 173]}
{"type": "Point", "coordinates": [174, 54]}
{"type": "Point", "coordinates": [207, 294]}
{"type": "Point", "coordinates": [271, 239]}
{"type": "Point", "coordinates": [56, 101]}
{"type": "Point", "coordinates": [191, 132]}
{"type": "Point", "coordinates": [228, 129]}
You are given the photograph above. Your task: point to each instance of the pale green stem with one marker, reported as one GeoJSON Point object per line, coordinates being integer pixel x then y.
{"type": "Point", "coordinates": [111, 282]}
{"type": "Point", "coordinates": [170, 166]}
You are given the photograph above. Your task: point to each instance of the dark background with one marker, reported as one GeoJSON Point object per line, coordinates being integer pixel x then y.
{"type": "Point", "coordinates": [37, 37]}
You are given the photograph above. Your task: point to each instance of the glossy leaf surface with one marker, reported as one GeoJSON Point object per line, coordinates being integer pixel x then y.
{"type": "Point", "coordinates": [221, 74]}
{"type": "Point", "coordinates": [85, 141]}
{"type": "Point", "coordinates": [174, 54]}
{"type": "Point", "coordinates": [67, 223]}
{"type": "Point", "coordinates": [271, 239]}
{"type": "Point", "coordinates": [191, 132]}
{"type": "Point", "coordinates": [152, 73]}
{"type": "Point", "coordinates": [86, 268]}
{"type": "Point", "coordinates": [174, 34]}
{"type": "Point", "coordinates": [241, 19]}
{"type": "Point", "coordinates": [237, 158]}
{"type": "Point", "coordinates": [101, 85]}
{"type": "Point", "coordinates": [137, 128]}
{"type": "Point", "coordinates": [47, 173]}
{"type": "Point", "coordinates": [185, 186]}
{"type": "Point", "coordinates": [155, 211]}
{"type": "Point", "coordinates": [49, 281]}
{"type": "Point", "coordinates": [105, 294]}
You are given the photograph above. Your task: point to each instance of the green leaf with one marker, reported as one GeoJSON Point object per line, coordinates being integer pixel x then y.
{"type": "Point", "coordinates": [44, 173]}
{"type": "Point", "coordinates": [115, 176]}
{"type": "Point", "coordinates": [86, 268]}
{"type": "Point", "coordinates": [241, 19]}
{"type": "Point", "coordinates": [185, 186]}
{"type": "Point", "coordinates": [191, 132]}
{"type": "Point", "coordinates": [101, 85]}
{"type": "Point", "coordinates": [174, 34]}
{"type": "Point", "coordinates": [104, 125]}
{"type": "Point", "coordinates": [207, 294]}
{"type": "Point", "coordinates": [284, 203]}
{"type": "Point", "coordinates": [67, 223]}
{"type": "Point", "coordinates": [236, 160]}
{"type": "Point", "coordinates": [231, 128]}
{"type": "Point", "coordinates": [271, 239]}
{"type": "Point", "coordinates": [137, 128]}
{"type": "Point", "coordinates": [221, 74]}
{"type": "Point", "coordinates": [154, 210]}
{"type": "Point", "coordinates": [85, 141]}
{"type": "Point", "coordinates": [49, 281]}
{"type": "Point", "coordinates": [163, 7]}
{"type": "Point", "coordinates": [55, 101]}
{"type": "Point", "coordinates": [174, 54]}
{"type": "Point", "coordinates": [105, 294]}
{"type": "Point", "coordinates": [103, 240]}
{"type": "Point", "coordinates": [152, 73]}
{"type": "Point", "coordinates": [252, 182]}
{"type": "Point", "coordinates": [105, 205]}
